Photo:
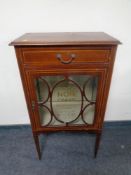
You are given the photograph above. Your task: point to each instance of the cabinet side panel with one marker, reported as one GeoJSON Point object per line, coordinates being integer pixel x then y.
{"type": "Point", "coordinates": [107, 85]}
{"type": "Point", "coordinates": [25, 86]}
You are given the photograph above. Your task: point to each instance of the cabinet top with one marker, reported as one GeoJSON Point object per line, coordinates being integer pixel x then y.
{"type": "Point", "coordinates": [65, 38]}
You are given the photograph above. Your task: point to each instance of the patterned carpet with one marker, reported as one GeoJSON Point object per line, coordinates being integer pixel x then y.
{"type": "Point", "coordinates": [65, 153]}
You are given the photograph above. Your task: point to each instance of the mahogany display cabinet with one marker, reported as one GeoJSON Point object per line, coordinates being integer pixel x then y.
{"type": "Point", "coordinates": [66, 79]}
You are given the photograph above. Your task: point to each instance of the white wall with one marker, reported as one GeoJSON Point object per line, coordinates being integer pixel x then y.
{"type": "Point", "coordinates": [18, 17]}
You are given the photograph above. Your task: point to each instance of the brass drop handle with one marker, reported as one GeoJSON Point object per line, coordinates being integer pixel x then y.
{"type": "Point", "coordinates": [71, 57]}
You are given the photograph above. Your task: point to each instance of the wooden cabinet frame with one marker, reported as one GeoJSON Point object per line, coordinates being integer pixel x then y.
{"type": "Point", "coordinates": [61, 57]}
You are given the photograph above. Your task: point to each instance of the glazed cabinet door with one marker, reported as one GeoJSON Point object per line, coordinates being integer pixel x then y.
{"type": "Point", "coordinates": [66, 100]}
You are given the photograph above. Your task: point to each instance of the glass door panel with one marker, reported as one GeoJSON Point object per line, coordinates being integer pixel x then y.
{"type": "Point", "coordinates": [64, 101]}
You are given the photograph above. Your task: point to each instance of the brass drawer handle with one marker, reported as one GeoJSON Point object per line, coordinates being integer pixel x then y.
{"type": "Point", "coordinates": [71, 57]}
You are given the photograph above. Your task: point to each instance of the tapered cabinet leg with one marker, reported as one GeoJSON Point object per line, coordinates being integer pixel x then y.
{"type": "Point", "coordinates": [36, 139]}
{"type": "Point", "coordinates": [97, 143]}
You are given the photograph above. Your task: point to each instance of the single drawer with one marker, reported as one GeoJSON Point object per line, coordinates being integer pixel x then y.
{"type": "Point", "coordinates": [57, 57]}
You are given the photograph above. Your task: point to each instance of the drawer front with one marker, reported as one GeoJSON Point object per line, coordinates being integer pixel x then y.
{"type": "Point", "coordinates": [58, 57]}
